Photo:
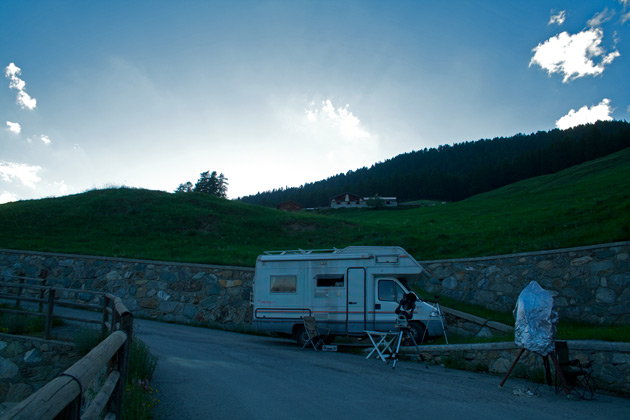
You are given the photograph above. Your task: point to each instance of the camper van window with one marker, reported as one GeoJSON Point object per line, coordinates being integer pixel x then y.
{"type": "Point", "coordinates": [283, 284]}
{"type": "Point", "coordinates": [388, 290]}
{"type": "Point", "coordinates": [330, 280]}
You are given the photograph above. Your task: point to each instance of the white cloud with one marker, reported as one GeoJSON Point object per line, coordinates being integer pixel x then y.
{"type": "Point", "coordinates": [14, 127]}
{"type": "Point", "coordinates": [585, 115]}
{"type": "Point", "coordinates": [61, 187]}
{"type": "Point", "coordinates": [342, 119]}
{"type": "Point", "coordinates": [24, 100]}
{"type": "Point", "coordinates": [601, 18]}
{"type": "Point", "coordinates": [26, 174]}
{"type": "Point", "coordinates": [45, 139]}
{"type": "Point", "coordinates": [558, 18]}
{"type": "Point", "coordinates": [625, 17]}
{"type": "Point", "coordinates": [572, 55]}
{"type": "Point", "coordinates": [7, 197]}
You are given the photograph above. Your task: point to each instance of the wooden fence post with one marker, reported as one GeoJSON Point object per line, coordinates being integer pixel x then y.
{"type": "Point", "coordinates": [106, 305]}
{"type": "Point", "coordinates": [18, 303]}
{"type": "Point", "coordinates": [42, 292]}
{"type": "Point", "coordinates": [49, 314]}
{"type": "Point", "coordinates": [124, 322]}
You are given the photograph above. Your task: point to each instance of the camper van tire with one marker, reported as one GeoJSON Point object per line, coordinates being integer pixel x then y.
{"type": "Point", "coordinates": [417, 329]}
{"type": "Point", "coordinates": [300, 336]}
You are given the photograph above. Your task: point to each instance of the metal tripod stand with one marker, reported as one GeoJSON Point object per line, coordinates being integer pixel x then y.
{"type": "Point", "coordinates": [404, 330]}
{"type": "Point", "coordinates": [435, 312]}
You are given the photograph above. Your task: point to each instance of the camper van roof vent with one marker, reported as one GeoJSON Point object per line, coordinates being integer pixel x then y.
{"type": "Point", "coordinates": [302, 251]}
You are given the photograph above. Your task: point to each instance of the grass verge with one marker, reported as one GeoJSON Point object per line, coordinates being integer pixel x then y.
{"type": "Point", "coordinates": [140, 397]}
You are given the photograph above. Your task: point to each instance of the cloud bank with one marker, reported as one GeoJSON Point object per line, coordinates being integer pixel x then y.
{"type": "Point", "coordinates": [585, 115]}
{"type": "Point", "coordinates": [24, 100]}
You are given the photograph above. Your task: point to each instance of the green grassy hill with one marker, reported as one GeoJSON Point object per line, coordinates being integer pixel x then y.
{"type": "Point", "coordinates": [583, 205]}
{"type": "Point", "coordinates": [586, 204]}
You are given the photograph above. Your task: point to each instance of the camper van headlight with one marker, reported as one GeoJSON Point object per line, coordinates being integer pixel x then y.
{"type": "Point", "coordinates": [435, 313]}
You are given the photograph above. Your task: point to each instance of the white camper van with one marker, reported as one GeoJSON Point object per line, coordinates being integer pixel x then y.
{"type": "Point", "coordinates": [348, 290]}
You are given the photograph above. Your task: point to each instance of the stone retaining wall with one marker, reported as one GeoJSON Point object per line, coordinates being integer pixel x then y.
{"type": "Point", "coordinates": [610, 361]}
{"type": "Point", "coordinates": [27, 364]}
{"type": "Point", "coordinates": [173, 292]}
{"type": "Point", "coordinates": [590, 284]}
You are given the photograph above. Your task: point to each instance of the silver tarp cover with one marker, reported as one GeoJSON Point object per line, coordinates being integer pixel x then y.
{"type": "Point", "coordinates": [536, 319]}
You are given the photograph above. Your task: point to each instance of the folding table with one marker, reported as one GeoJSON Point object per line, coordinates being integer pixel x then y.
{"type": "Point", "coordinates": [382, 341]}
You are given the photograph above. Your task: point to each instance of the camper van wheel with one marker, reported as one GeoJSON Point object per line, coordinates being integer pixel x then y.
{"type": "Point", "coordinates": [417, 329]}
{"type": "Point", "coordinates": [301, 337]}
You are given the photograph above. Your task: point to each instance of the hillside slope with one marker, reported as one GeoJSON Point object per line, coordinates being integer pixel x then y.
{"type": "Point", "coordinates": [147, 224]}
{"type": "Point", "coordinates": [582, 205]}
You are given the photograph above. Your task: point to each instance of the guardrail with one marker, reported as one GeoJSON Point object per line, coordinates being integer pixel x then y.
{"type": "Point", "coordinates": [62, 398]}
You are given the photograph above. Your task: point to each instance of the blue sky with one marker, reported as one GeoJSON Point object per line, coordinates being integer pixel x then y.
{"type": "Point", "coordinates": [150, 94]}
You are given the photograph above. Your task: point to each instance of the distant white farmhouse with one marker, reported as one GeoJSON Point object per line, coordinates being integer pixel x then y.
{"type": "Point", "coordinates": [348, 200]}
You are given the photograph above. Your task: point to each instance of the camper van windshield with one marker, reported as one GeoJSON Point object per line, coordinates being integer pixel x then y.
{"type": "Point", "coordinates": [389, 290]}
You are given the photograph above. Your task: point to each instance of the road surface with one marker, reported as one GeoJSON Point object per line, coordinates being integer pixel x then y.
{"type": "Point", "coordinates": [210, 374]}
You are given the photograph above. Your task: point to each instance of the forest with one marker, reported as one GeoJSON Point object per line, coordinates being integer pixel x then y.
{"type": "Point", "coordinates": [458, 171]}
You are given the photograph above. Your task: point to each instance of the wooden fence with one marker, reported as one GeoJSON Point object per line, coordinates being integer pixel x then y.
{"type": "Point", "coordinates": [42, 300]}
{"type": "Point", "coordinates": [62, 398]}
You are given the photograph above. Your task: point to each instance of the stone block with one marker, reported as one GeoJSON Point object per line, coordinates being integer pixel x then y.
{"type": "Point", "coordinates": [190, 311]}
{"type": "Point", "coordinates": [8, 369]}
{"type": "Point", "coordinates": [32, 356]}
{"type": "Point", "coordinates": [598, 267]}
{"type": "Point", "coordinates": [66, 263]}
{"type": "Point", "coordinates": [619, 280]}
{"type": "Point", "coordinates": [14, 348]}
{"type": "Point", "coordinates": [151, 303]}
{"type": "Point", "coordinates": [167, 277]}
{"type": "Point", "coordinates": [605, 295]}
{"type": "Point", "coordinates": [168, 307]}
{"type": "Point", "coordinates": [500, 365]}
{"type": "Point", "coordinates": [230, 283]}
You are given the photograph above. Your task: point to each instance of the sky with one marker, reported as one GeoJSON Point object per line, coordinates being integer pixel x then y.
{"type": "Point", "coordinates": [275, 94]}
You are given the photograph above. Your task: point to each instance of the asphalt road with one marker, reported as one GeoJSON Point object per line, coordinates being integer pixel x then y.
{"type": "Point", "coordinates": [209, 374]}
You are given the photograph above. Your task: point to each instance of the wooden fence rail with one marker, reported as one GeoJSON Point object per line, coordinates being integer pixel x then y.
{"type": "Point", "coordinates": [49, 297]}
{"type": "Point", "coordinates": [62, 398]}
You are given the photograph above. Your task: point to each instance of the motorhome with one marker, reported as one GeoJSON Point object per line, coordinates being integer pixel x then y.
{"type": "Point", "coordinates": [349, 291]}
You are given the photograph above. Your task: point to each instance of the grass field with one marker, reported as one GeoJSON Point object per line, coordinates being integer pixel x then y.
{"type": "Point", "coordinates": [583, 205]}
{"type": "Point", "coordinates": [586, 204]}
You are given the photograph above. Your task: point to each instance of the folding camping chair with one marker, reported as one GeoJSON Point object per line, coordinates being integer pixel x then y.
{"type": "Point", "coordinates": [577, 375]}
{"type": "Point", "coordinates": [315, 337]}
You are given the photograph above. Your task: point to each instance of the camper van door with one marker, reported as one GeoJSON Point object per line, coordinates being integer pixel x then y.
{"type": "Point", "coordinates": [355, 307]}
